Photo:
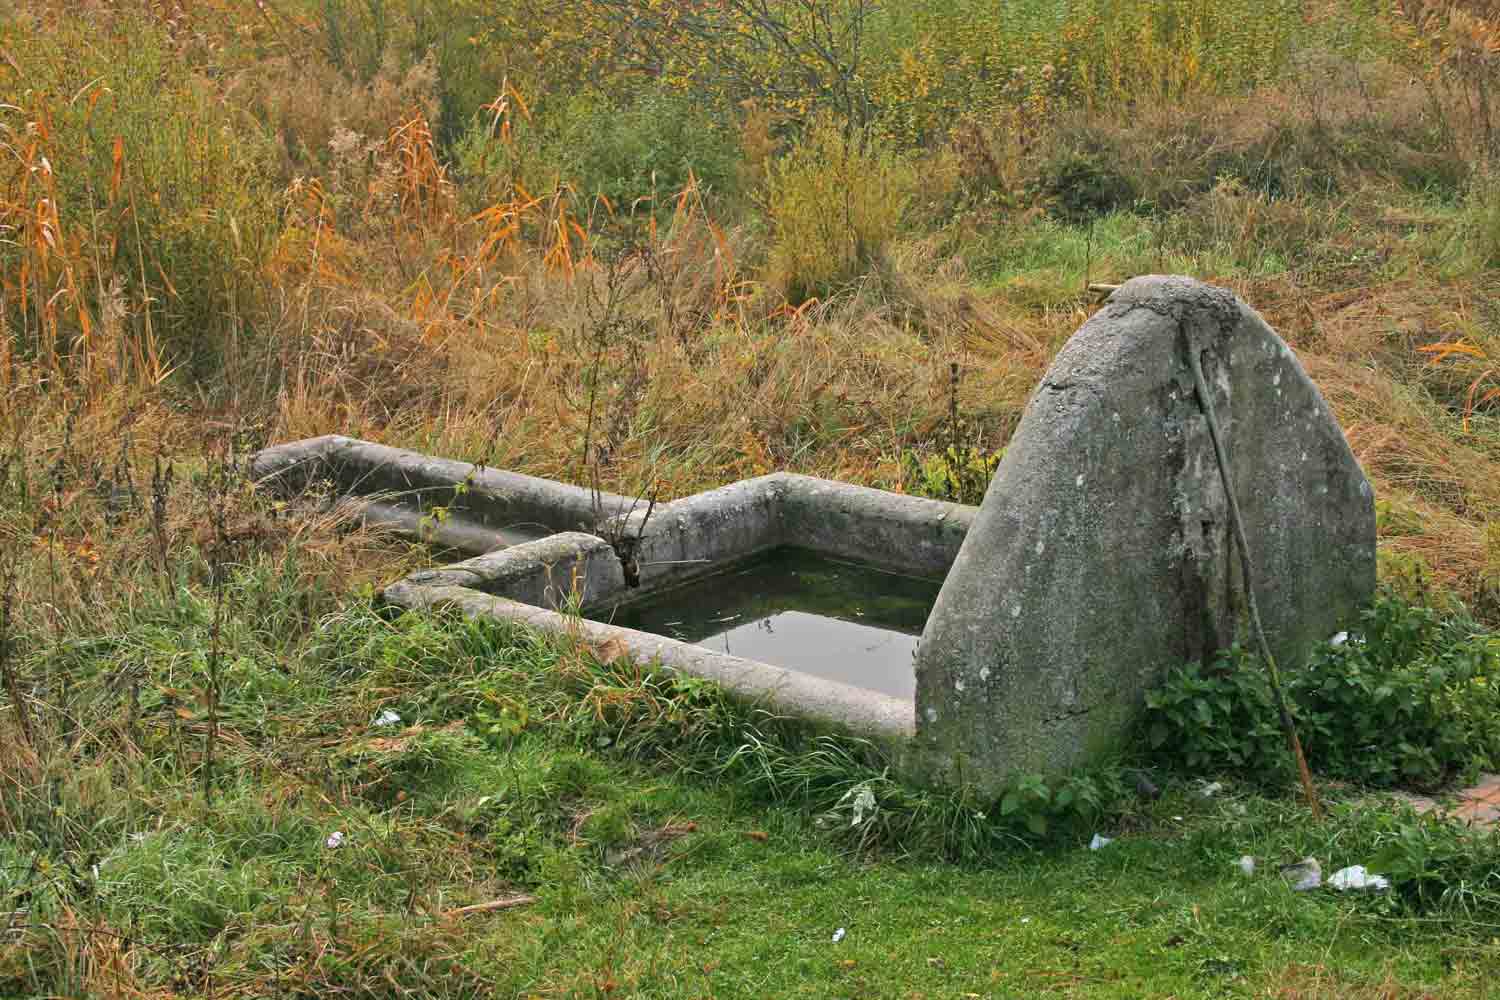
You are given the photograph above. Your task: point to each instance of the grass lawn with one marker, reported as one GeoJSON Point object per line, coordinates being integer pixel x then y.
{"type": "Point", "coordinates": [1161, 912]}
{"type": "Point", "coordinates": [654, 839]}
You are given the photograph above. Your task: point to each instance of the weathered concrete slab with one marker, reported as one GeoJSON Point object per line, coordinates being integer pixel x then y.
{"type": "Point", "coordinates": [1103, 552]}
{"type": "Point", "coordinates": [497, 509]}
{"type": "Point", "coordinates": [568, 569]}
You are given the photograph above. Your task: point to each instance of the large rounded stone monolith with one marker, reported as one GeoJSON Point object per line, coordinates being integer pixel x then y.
{"type": "Point", "coordinates": [1103, 553]}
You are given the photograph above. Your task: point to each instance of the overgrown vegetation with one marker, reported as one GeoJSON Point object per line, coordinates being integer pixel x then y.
{"type": "Point", "coordinates": [1409, 699]}
{"type": "Point", "coordinates": [661, 247]}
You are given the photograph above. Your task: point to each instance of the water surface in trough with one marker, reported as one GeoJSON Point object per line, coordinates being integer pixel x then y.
{"type": "Point", "coordinates": [800, 610]}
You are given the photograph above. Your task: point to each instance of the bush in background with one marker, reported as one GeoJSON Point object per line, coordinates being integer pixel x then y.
{"type": "Point", "coordinates": [835, 203]}
{"type": "Point", "coordinates": [645, 151]}
{"type": "Point", "coordinates": [139, 203]}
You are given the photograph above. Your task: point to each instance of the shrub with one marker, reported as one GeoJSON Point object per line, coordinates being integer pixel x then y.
{"type": "Point", "coordinates": [647, 149]}
{"type": "Point", "coordinates": [1410, 699]}
{"type": "Point", "coordinates": [1078, 187]}
{"type": "Point", "coordinates": [1413, 698]}
{"type": "Point", "coordinates": [835, 203]}
{"type": "Point", "coordinates": [638, 158]}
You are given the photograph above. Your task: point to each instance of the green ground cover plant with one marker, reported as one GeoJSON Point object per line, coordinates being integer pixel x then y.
{"type": "Point", "coordinates": [1407, 699]}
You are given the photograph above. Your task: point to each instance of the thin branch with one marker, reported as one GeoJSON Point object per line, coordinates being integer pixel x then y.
{"type": "Point", "coordinates": [1288, 727]}
{"type": "Point", "coordinates": [504, 903]}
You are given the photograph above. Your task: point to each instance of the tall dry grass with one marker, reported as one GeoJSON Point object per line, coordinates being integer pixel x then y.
{"type": "Point", "coordinates": [223, 245]}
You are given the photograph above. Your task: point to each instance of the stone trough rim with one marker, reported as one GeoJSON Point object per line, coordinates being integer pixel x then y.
{"type": "Point", "coordinates": [885, 719]}
{"type": "Point", "coordinates": [777, 504]}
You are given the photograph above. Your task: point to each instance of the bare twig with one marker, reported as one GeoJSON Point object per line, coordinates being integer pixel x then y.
{"type": "Point", "coordinates": [504, 903]}
{"type": "Point", "coordinates": [1288, 727]}
{"type": "Point", "coordinates": [161, 490]}
{"type": "Point", "coordinates": [217, 553]}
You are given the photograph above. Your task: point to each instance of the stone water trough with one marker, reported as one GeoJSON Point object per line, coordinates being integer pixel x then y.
{"type": "Point", "coordinates": [1103, 553]}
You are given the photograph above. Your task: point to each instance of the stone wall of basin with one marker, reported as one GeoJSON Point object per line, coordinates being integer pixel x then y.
{"type": "Point", "coordinates": [535, 582]}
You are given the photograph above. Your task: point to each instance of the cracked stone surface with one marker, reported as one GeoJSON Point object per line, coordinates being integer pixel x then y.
{"type": "Point", "coordinates": [1103, 553]}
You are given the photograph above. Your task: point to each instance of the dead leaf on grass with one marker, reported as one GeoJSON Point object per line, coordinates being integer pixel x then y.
{"type": "Point", "coordinates": [610, 650]}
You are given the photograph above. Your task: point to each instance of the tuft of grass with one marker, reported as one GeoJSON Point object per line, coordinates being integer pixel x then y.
{"type": "Point", "coordinates": [835, 203]}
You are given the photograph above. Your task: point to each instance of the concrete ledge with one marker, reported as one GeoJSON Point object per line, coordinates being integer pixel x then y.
{"type": "Point", "coordinates": [454, 534]}
{"type": "Point", "coordinates": [515, 579]}
{"type": "Point", "coordinates": [883, 719]}
{"type": "Point", "coordinates": [699, 534]}
{"type": "Point", "coordinates": [547, 573]}
{"type": "Point", "coordinates": [903, 534]}
{"type": "Point", "coordinates": [507, 505]}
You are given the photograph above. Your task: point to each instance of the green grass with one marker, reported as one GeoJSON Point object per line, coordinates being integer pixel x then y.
{"type": "Point", "coordinates": [676, 844]}
{"type": "Point", "coordinates": [1044, 262]}
{"type": "Point", "coordinates": [719, 913]}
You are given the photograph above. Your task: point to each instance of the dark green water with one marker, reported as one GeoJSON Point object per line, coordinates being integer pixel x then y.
{"type": "Point", "coordinates": [797, 609]}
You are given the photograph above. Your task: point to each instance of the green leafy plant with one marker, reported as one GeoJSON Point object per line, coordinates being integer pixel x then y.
{"type": "Point", "coordinates": [1216, 718]}
{"type": "Point", "coordinates": [1409, 699]}
{"type": "Point", "coordinates": [1435, 863]}
{"type": "Point", "coordinates": [960, 472]}
{"type": "Point", "coordinates": [957, 474]}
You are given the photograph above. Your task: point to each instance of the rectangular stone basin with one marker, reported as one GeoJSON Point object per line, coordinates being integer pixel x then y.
{"type": "Point", "coordinates": [803, 596]}
{"type": "Point", "coordinates": [791, 607]}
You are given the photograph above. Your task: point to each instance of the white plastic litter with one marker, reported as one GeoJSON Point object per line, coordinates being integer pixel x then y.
{"type": "Point", "coordinates": [1357, 879]}
{"type": "Point", "coordinates": [1304, 875]}
{"type": "Point", "coordinates": [1100, 841]}
{"type": "Point", "coordinates": [386, 718]}
{"type": "Point", "coordinates": [1339, 639]}
{"type": "Point", "coordinates": [335, 840]}
{"type": "Point", "coordinates": [1211, 789]}
{"type": "Point", "coordinates": [838, 935]}
{"type": "Point", "coordinates": [1246, 864]}
{"type": "Point", "coordinates": [864, 802]}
